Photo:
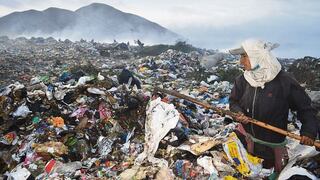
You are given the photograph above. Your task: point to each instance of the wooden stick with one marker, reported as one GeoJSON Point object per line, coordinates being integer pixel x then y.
{"type": "Point", "coordinates": [234, 115]}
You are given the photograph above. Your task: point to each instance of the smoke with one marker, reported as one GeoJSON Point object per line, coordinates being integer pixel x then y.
{"type": "Point", "coordinates": [97, 21]}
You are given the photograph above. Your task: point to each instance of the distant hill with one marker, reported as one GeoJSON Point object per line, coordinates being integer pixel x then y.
{"type": "Point", "coordinates": [95, 21]}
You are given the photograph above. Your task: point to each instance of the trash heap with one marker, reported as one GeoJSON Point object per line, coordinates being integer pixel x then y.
{"type": "Point", "coordinates": [106, 122]}
{"type": "Point", "coordinates": [24, 58]}
{"type": "Point", "coordinates": [307, 71]}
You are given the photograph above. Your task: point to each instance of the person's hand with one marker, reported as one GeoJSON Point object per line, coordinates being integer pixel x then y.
{"type": "Point", "coordinates": [306, 141]}
{"type": "Point", "coordinates": [242, 118]}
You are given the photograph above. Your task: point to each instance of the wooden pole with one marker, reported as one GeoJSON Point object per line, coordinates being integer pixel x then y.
{"type": "Point", "coordinates": [233, 115]}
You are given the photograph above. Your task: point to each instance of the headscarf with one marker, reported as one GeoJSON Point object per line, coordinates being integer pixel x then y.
{"type": "Point", "coordinates": [264, 66]}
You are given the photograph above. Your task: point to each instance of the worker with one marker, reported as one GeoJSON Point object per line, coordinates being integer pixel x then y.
{"type": "Point", "coordinates": [266, 93]}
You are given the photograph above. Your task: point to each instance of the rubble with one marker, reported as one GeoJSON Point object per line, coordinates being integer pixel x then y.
{"type": "Point", "coordinates": [76, 110]}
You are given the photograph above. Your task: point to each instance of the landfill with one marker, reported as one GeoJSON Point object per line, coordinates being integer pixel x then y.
{"type": "Point", "coordinates": [87, 110]}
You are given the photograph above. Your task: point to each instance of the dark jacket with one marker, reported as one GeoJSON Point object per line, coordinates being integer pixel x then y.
{"type": "Point", "coordinates": [271, 105]}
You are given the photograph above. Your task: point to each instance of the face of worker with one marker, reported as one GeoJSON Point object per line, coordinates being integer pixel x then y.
{"type": "Point", "coordinates": [245, 62]}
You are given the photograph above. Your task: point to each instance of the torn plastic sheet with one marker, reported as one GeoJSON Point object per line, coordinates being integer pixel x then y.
{"type": "Point", "coordinates": [83, 80]}
{"type": "Point", "coordinates": [22, 111]}
{"type": "Point", "coordinates": [161, 118]}
{"type": "Point", "coordinates": [245, 163]}
{"type": "Point", "coordinates": [126, 145]}
{"type": "Point", "coordinates": [206, 163]}
{"type": "Point", "coordinates": [104, 145]}
{"type": "Point", "coordinates": [19, 173]}
{"type": "Point", "coordinates": [96, 91]}
{"type": "Point", "coordinates": [296, 170]}
{"type": "Point", "coordinates": [301, 152]}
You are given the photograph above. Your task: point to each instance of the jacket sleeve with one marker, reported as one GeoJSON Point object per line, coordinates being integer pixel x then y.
{"type": "Point", "coordinates": [235, 96]}
{"type": "Point", "coordinates": [299, 101]}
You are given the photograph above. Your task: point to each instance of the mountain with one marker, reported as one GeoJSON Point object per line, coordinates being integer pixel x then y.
{"type": "Point", "coordinates": [95, 21]}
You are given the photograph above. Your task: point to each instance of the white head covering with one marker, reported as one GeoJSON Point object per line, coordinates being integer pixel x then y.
{"type": "Point", "coordinates": [264, 66]}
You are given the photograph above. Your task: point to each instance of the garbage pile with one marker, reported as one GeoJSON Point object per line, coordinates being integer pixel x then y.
{"type": "Point", "coordinates": [53, 129]}
{"type": "Point", "coordinates": [103, 120]}
{"type": "Point", "coordinates": [23, 58]}
{"type": "Point", "coordinates": [307, 72]}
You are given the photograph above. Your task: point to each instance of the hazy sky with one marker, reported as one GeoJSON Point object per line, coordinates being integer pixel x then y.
{"type": "Point", "coordinates": [216, 24]}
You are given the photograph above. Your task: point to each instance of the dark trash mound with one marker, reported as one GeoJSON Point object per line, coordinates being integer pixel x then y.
{"type": "Point", "coordinates": [307, 71]}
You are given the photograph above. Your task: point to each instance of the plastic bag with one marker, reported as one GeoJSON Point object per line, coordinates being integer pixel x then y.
{"type": "Point", "coordinates": [104, 145]}
{"type": "Point", "coordinates": [83, 80]}
{"type": "Point", "coordinates": [245, 163]}
{"type": "Point", "coordinates": [206, 163]}
{"type": "Point", "coordinates": [161, 118]}
{"type": "Point", "coordinates": [19, 173]}
{"type": "Point", "coordinates": [22, 111]}
{"type": "Point", "coordinates": [96, 91]}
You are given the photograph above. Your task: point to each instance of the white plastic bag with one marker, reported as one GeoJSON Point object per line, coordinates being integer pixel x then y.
{"type": "Point", "coordinates": [245, 163]}
{"type": "Point", "coordinates": [161, 117]}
